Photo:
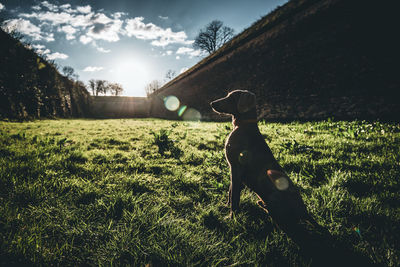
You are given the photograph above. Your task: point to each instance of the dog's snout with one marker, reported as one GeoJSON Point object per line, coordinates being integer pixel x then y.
{"type": "Point", "coordinates": [215, 104]}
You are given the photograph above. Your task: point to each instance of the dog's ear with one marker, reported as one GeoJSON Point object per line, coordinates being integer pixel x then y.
{"type": "Point", "coordinates": [247, 101]}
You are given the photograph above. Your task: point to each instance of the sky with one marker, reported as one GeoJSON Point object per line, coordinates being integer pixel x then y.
{"type": "Point", "coordinates": [129, 42]}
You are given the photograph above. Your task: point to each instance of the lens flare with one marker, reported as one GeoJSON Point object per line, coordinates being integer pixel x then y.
{"type": "Point", "coordinates": [181, 110]}
{"type": "Point", "coordinates": [282, 183]}
{"type": "Point", "coordinates": [191, 114]}
{"type": "Point", "coordinates": [244, 157]}
{"type": "Point", "coordinates": [171, 102]}
{"type": "Point", "coordinates": [357, 230]}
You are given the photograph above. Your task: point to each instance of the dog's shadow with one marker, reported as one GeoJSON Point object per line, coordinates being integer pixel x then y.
{"type": "Point", "coordinates": [320, 248]}
{"type": "Point", "coordinates": [316, 245]}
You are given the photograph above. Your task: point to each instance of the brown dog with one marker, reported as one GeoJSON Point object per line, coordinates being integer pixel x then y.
{"type": "Point", "coordinates": [252, 163]}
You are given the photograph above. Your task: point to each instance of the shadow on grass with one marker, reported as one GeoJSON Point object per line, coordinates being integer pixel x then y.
{"type": "Point", "coordinates": [14, 259]}
{"type": "Point", "coordinates": [320, 248]}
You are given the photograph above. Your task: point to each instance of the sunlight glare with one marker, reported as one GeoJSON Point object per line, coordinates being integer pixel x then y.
{"type": "Point", "coordinates": [132, 74]}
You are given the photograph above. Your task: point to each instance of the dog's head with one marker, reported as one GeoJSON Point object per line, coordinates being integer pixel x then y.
{"type": "Point", "coordinates": [235, 103]}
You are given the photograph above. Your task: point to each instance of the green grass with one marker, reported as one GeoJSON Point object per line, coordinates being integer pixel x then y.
{"type": "Point", "coordinates": [116, 192]}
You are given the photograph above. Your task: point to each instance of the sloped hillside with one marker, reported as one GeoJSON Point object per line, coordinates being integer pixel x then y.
{"type": "Point", "coordinates": [309, 59]}
{"type": "Point", "coordinates": [31, 87]}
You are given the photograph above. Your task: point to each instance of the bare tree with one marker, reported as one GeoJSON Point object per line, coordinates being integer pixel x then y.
{"type": "Point", "coordinates": [152, 87]}
{"type": "Point", "coordinates": [213, 36]}
{"type": "Point", "coordinates": [68, 71]}
{"type": "Point", "coordinates": [101, 87]}
{"type": "Point", "coordinates": [170, 75]}
{"type": "Point", "coordinates": [115, 88]}
{"type": "Point", "coordinates": [92, 86]}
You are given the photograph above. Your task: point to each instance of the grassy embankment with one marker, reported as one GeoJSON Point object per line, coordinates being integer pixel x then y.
{"type": "Point", "coordinates": [119, 191]}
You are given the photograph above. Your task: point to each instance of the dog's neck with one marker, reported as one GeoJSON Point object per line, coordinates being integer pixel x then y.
{"type": "Point", "coordinates": [246, 119]}
{"type": "Point", "coordinates": [239, 122]}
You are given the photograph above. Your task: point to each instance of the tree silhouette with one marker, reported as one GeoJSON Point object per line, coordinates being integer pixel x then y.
{"type": "Point", "coordinates": [213, 36]}
{"type": "Point", "coordinates": [101, 87]}
{"type": "Point", "coordinates": [170, 75]}
{"type": "Point", "coordinates": [69, 72]}
{"type": "Point", "coordinates": [92, 86]}
{"type": "Point", "coordinates": [115, 88]}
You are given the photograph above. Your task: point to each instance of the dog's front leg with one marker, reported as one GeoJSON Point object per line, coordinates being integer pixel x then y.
{"type": "Point", "coordinates": [228, 204]}
{"type": "Point", "coordinates": [235, 188]}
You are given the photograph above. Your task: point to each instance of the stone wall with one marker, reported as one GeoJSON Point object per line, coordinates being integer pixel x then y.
{"type": "Point", "coordinates": [119, 107]}
{"type": "Point", "coordinates": [317, 59]}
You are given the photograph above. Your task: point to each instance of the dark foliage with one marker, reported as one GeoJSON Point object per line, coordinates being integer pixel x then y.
{"type": "Point", "coordinates": [31, 87]}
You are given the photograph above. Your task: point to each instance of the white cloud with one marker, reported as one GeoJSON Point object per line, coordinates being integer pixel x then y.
{"type": "Point", "coordinates": [188, 51]}
{"type": "Point", "coordinates": [169, 37]}
{"type": "Point", "coordinates": [67, 8]}
{"type": "Point", "coordinates": [99, 25]}
{"type": "Point", "coordinates": [84, 9]}
{"type": "Point", "coordinates": [1, 7]}
{"type": "Point", "coordinates": [49, 37]}
{"type": "Point", "coordinates": [92, 69]}
{"type": "Point", "coordinates": [92, 26]}
{"type": "Point", "coordinates": [118, 15]}
{"type": "Point", "coordinates": [166, 53]}
{"type": "Point", "coordinates": [102, 50]}
{"type": "Point", "coordinates": [183, 70]}
{"type": "Point", "coordinates": [81, 20]}
{"type": "Point", "coordinates": [178, 57]}
{"type": "Point", "coordinates": [38, 46]}
{"type": "Point", "coordinates": [54, 18]}
{"type": "Point", "coordinates": [44, 52]}
{"type": "Point", "coordinates": [27, 28]}
{"type": "Point", "coordinates": [49, 6]}
{"type": "Point", "coordinates": [161, 37]}
{"type": "Point", "coordinates": [69, 30]}
{"type": "Point", "coordinates": [57, 55]}
{"type": "Point", "coordinates": [105, 28]}
{"type": "Point", "coordinates": [85, 39]}
{"type": "Point", "coordinates": [184, 50]}
{"type": "Point", "coordinates": [101, 18]}
{"type": "Point", "coordinates": [135, 27]}
{"type": "Point", "coordinates": [57, 18]}
{"type": "Point", "coordinates": [41, 49]}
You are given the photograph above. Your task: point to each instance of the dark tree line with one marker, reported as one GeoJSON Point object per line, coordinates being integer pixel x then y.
{"type": "Point", "coordinates": [32, 87]}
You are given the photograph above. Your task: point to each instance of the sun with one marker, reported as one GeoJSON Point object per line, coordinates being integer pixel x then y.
{"type": "Point", "coordinates": [132, 73]}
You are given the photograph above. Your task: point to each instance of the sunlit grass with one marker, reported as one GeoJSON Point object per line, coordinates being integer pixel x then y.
{"type": "Point", "coordinates": [75, 192]}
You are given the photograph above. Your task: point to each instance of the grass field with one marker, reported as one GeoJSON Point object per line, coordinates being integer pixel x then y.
{"type": "Point", "coordinates": [116, 192]}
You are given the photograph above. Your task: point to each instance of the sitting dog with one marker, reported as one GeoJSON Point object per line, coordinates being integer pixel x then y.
{"type": "Point", "coordinates": [251, 163]}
